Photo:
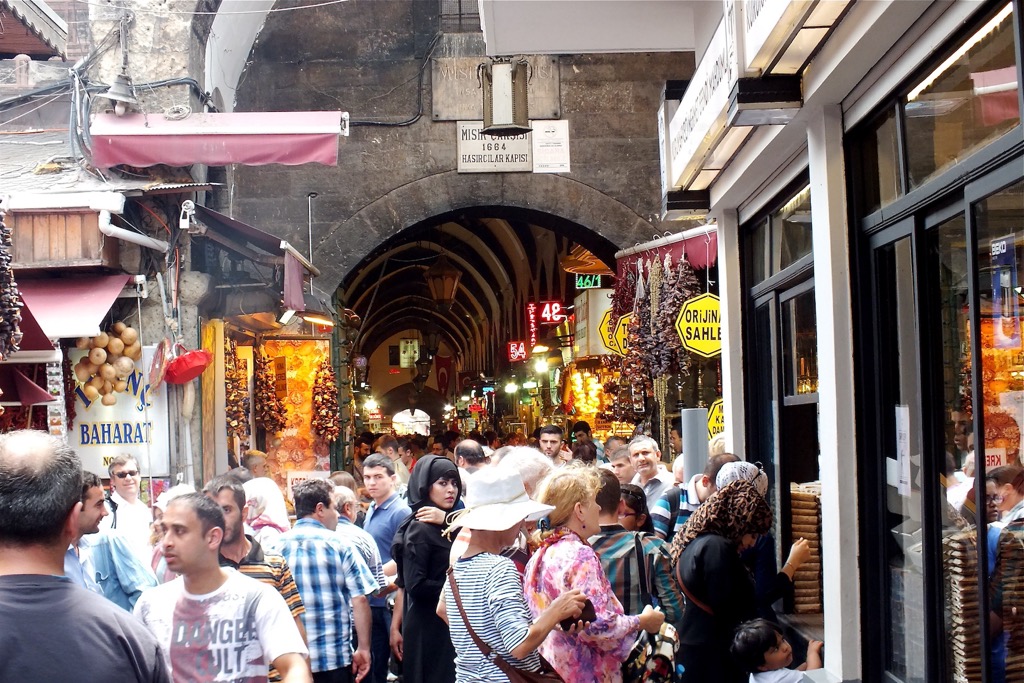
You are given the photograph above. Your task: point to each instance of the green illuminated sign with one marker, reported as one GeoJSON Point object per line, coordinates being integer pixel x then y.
{"type": "Point", "coordinates": [588, 281]}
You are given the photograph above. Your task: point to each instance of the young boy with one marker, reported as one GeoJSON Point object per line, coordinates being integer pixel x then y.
{"type": "Point", "coordinates": [758, 647]}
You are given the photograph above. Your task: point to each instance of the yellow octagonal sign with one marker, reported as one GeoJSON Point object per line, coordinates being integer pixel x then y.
{"type": "Point", "coordinates": [699, 326]}
{"type": "Point", "coordinates": [606, 330]}
{"type": "Point", "coordinates": [716, 419]}
{"type": "Point", "coordinates": [622, 334]}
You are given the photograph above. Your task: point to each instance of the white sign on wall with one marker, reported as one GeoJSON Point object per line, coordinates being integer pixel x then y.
{"type": "Point", "coordinates": [482, 153]}
{"type": "Point", "coordinates": [551, 147]}
{"type": "Point", "coordinates": [137, 424]}
{"type": "Point", "coordinates": [702, 112]}
{"type": "Point", "coordinates": [295, 476]}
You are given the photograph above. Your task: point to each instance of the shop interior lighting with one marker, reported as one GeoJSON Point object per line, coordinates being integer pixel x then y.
{"type": "Point", "coordinates": [530, 385]}
{"type": "Point", "coordinates": [448, 407]}
{"type": "Point", "coordinates": [511, 388]}
{"type": "Point", "coordinates": [954, 58]}
{"type": "Point", "coordinates": [286, 316]}
{"type": "Point", "coordinates": [371, 404]}
{"type": "Point", "coordinates": [541, 364]}
{"type": "Point", "coordinates": [317, 311]}
{"type": "Point", "coordinates": [464, 398]}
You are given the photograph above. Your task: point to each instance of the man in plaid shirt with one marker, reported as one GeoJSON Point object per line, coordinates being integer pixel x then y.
{"type": "Point", "coordinates": [332, 579]}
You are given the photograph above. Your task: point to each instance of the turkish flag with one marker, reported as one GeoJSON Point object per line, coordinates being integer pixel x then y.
{"type": "Point", "coordinates": [443, 368]}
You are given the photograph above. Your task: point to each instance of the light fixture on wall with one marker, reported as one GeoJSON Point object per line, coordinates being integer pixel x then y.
{"type": "Point", "coordinates": [443, 280]}
{"type": "Point", "coordinates": [797, 34]}
{"type": "Point", "coordinates": [504, 83]}
{"type": "Point", "coordinates": [318, 310]}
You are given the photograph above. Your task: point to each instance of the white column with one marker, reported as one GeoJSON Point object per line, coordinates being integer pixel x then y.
{"type": "Point", "coordinates": [730, 293]}
{"type": "Point", "coordinates": [836, 416]}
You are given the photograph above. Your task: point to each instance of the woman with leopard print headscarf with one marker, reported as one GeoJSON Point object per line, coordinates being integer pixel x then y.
{"type": "Point", "coordinates": [719, 590]}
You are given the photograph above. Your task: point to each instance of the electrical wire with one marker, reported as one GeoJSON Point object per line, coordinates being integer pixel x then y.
{"type": "Point", "coordinates": [24, 114]}
{"type": "Point", "coordinates": [419, 96]}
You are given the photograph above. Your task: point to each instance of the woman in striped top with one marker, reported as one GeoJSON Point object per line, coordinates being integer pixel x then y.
{"type": "Point", "coordinates": [490, 588]}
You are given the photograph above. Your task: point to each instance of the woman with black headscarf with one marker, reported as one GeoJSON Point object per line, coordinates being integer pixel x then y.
{"type": "Point", "coordinates": [719, 590]}
{"type": "Point", "coordinates": [421, 553]}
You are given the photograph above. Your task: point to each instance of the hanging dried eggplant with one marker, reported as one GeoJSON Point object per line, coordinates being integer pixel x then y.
{"type": "Point", "coordinates": [270, 411]}
{"type": "Point", "coordinates": [236, 387]}
{"type": "Point", "coordinates": [326, 420]}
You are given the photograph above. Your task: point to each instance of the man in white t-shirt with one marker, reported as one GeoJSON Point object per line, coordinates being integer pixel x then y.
{"type": "Point", "coordinates": [216, 624]}
{"type": "Point", "coordinates": [129, 517]}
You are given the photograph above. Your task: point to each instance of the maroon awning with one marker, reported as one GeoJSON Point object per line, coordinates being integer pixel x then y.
{"type": "Point", "coordinates": [18, 388]}
{"type": "Point", "coordinates": [71, 306]}
{"type": "Point", "coordinates": [217, 139]}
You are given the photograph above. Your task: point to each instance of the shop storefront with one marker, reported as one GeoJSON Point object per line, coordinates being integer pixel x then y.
{"type": "Point", "coordinates": [937, 196]}
{"type": "Point", "coordinates": [869, 251]}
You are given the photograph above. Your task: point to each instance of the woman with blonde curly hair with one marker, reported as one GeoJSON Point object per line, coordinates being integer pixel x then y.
{"type": "Point", "coordinates": [565, 561]}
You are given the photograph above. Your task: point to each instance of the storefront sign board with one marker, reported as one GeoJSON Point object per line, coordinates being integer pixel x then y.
{"type": "Point", "coordinates": [716, 419]}
{"type": "Point", "coordinates": [1005, 300]}
{"type": "Point", "coordinates": [606, 332]}
{"type": "Point", "coordinates": [592, 317]}
{"type": "Point", "coordinates": [622, 334]}
{"type": "Point", "coordinates": [295, 476]}
{"type": "Point", "coordinates": [699, 325]}
{"type": "Point", "coordinates": [766, 24]}
{"type": "Point", "coordinates": [700, 120]}
{"type": "Point", "coordinates": [408, 352]}
{"type": "Point", "coordinates": [516, 351]}
{"type": "Point", "coordinates": [478, 152]}
{"type": "Point", "coordinates": [137, 424]}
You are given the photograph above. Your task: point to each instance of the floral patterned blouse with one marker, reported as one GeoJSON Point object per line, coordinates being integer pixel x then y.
{"type": "Point", "coordinates": [563, 562]}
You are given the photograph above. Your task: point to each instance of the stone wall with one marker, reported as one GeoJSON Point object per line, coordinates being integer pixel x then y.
{"type": "Point", "coordinates": [365, 57]}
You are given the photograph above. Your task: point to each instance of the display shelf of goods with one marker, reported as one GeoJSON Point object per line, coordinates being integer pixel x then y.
{"type": "Point", "coordinates": [326, 420]}
{"type": "Point", "coordinates": [104, 371]}
{"type": "Point", "coordinates": [269, 408]}
{"type": "Point", "coordinates": [236, 386]}
{"type": "Point", "coordinates": [10, 298]}
{"type": "Point", "coordinates": [805, 507]}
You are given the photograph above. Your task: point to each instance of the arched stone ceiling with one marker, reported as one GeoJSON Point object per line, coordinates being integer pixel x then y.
{"type": "Point", "coordinates": [507, 257]}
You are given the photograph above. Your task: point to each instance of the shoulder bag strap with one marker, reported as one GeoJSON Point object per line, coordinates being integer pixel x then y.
{"type": "Point", "coordinates": [462, 611]}
{"type": "Point", "coordinates": [689, 596]}
{"type": "Point", "coordinates": [641, 561]}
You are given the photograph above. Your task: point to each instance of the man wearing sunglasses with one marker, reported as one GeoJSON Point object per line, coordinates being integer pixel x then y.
{"type": "Point", "coordinates": [129, 517]}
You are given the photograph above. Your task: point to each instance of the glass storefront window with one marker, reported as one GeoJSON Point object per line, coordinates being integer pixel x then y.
{"type": "Point", "coordinates": [999, 258]}
{"type": "Point", "coordinates": [791, 231]}
{"type": "Point", "coordinates": [969, 99]}
{"type": "Point", "coordinates": [879, 163]}
{"type": "Point", "coordinates": [800, 344]}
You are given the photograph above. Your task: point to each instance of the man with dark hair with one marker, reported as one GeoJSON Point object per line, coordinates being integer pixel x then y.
{"type": "Point", "coordinates": [129, 516]}
{"type": "Point", "coordinates": [675, 436]}
{"type": "Point", "coordinates": [670, 512]}
{"type": "Point", "coordinates": [621, 553]}
{"type": "Point", "coordinates": [549, 440]}
{"type": "Point", "coordinates": [334, 582]}
{"type": "Point", "coordinates": [492, 439]}
{"type": "Point", "coordinates": [54, 630]}
{"type": "Point", "coordinates": [390, 447]}
{"type": "Point", "coordinates": [104, 563]}
{"type": "Point", "coordinates": [240, 551]}
{"type": "Point", "coordinates": [386, 512]}
{"type": "Point", "coordinates": [214, 622]}
{"type": "Point", "coordinates": [581, 432]}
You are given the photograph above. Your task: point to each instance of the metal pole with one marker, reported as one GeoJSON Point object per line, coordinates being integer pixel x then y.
{"type": "Point", "coordinates": [309, 205]}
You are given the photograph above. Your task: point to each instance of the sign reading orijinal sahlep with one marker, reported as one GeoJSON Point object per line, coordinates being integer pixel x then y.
{"type": "Point", "coordinates": [699, 325]}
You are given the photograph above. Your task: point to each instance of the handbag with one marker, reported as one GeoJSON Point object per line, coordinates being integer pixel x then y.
{"type": "Point", "coordinates": [547, 674]}
{"type": "Point", "coordinates": [635, 666]}
{"type": "Point", "coordinates": [652, 659]}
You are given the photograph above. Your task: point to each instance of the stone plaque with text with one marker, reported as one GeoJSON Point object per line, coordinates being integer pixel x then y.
{"type": "Point", "coordinates": [457, 95]}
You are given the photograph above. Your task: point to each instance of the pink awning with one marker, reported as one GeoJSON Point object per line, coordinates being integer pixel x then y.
{"type": "Point", "coordinates": [71, 306]}
{"type": "Point", "coordinates": [18, 388]}
{"type": "Point", "coordinates": [215, 139]}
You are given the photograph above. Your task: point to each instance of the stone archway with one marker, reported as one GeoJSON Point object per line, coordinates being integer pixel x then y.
{"type": "Point", "coordinates": [348, 242]}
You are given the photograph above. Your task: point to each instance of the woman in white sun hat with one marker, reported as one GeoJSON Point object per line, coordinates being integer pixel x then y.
{"type": "Point", "coordinates": [489, 587]}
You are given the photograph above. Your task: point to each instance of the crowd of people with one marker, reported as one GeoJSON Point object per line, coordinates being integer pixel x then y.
{"type": "Point", "coordinates": [462, 561]}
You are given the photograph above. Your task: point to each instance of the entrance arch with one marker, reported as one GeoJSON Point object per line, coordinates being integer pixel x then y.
{"type": "Point", "coordinates": [580, 212]}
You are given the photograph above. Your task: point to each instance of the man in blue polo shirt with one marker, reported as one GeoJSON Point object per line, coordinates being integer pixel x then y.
{"type": "Point", "coordinates": [386, 512]}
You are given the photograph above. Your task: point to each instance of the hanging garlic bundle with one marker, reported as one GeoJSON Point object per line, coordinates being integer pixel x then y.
{"type": "Point", "coordinates": [326, 421]}
{"type": "Point", "coordinates": [269, 408]}
{"type": "Point", "coordinates": [236, 407]}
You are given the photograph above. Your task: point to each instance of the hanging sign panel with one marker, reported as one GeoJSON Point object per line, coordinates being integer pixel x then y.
{"type": "Point", "coordinates": [699, 325]}
{"type": "Point", "coordinates": [136, 424]}
{"type": "Point", "coordinates": [716, 419]}
{"type": "Point", "coordinates": [481, 153]}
